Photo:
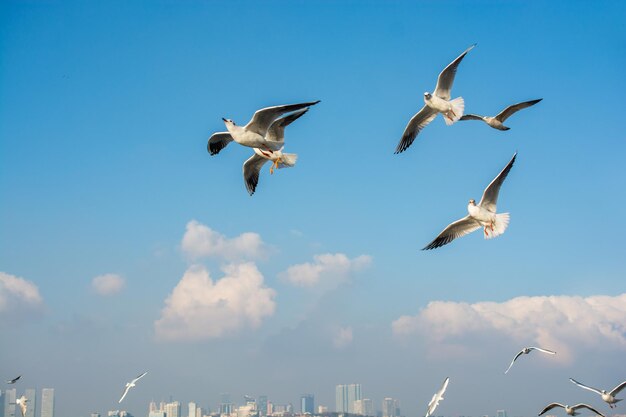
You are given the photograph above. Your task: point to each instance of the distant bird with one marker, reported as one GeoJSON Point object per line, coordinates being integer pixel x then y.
{"type": "Point", "coordinates": [481, 215]}
{"type": "Point", "coordinates": [22, 403]}
{"type": "Point", "coordinates": [434, 402]}
{"type": "Point", "coordinates": [497, 121]}
{"type": "Point", "coordinates": [607, 397]}
{"type": "Point", "coordinates": [253, 134]}
{"type": "Point", "coordinates": [570, 410]}
{"type": "Point", "coordinates": [14, 380]}
{"type": "Point", "coordinates": [131, 384]}
{"type": "Point", "coordinates": [275, 136]}
{"type": "Point", "coordinates": [526, 351]}
{"type": "Point", "coordinates": [436, 102]}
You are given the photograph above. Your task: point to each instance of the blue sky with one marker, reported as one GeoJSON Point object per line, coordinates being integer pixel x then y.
{"type": "Point", "coordinates": [105, 109]}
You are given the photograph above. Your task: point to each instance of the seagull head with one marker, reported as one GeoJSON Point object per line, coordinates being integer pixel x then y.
{"type": "Point", "coordinates": [427, 96]}
{"type": "Point", "coordinates": [472, 202]}
{"type": "Point", "coordinates": [228, 122]}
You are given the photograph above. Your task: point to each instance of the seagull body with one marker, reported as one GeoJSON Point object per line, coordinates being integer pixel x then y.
{"type": "Point", "coordinates": [607, 396]}
{"type": "Point", "coordinates": [14, 380]}
{"type": "Point", "coordinates": [22, 403]}
{"type": "Point", "coordinates": [526, 351]}
{"type": "Point", "coordinates": [130, 385]}
{"type": "Point", "coordinates": [497, 122]}
{"type": "Point", "coordinates": [253, 134]}
{"type": "Point", "coordinates": [276, 137]}
{"type": "Point", "coordinates": [570, 410]}
{"type": "Point", "coordinates": [480, 215]}
{"type": "Point", "coordinates": [434, 103]}
{"type": "Point", "coordinates": [434, 402]}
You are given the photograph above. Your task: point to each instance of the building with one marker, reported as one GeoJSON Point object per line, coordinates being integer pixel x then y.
{"type": "Point", "coordinates": [192, 409]}
{"type": "Point", "coordinates": [172, 409]}
{"type": "Point", "coordinates": [307, 404]}
{"type": "Point", "coordinates": [364, 407]}
{"type": "Point", "coordinates": [157, 413]}
{"type": "Point", "coordinates": [226, 407]}
{"type": "Point", "coordinates": [322, 409]}
{"type": "Point", "coordinates": [391, 407]}
{"type": "Point", "coordinates": [95, 414]}
{"type": "Point", "coordinates": [500, 413]}
{"type": "Point", "coordinates": [1, 403]}
{"type": "Point", "coordinates": [262, 405]}
{"type": "Point", "coordinates": [47, 402]}
{"type": "Point", "coordinates": [9, 402]}
{"type": "Point", "coordinates": [345, 396]}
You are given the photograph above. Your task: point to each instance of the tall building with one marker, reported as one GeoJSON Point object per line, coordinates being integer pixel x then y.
{"type": "Point", "coordinates": [501, 413]}
{"type": "Point", "coordinates": [307, 404]}
{"type": "Point", "coordinates": [345, 396]}
{"type": "Point", "coordinates": [364, 407]}
{"type": "Point", "coordinates": [391, 407]}
{"type": "Point", "coordinates": [192, 409]}
{"type": "Point", "coordinates": [31, 394]}
{"type": "Point", "coordinates": [1, 403]}
{"type": "Point", "coordinates": [157, 413]}
{"type": "Point", "coordinates": [47, 402]}
{"type": "Point", "coordinates": [95, 414]}
{"type": "Point", "coordinates": [9, 402]}
{"type": "Point", "coordinates": [226, 407]}
{"type": "Point", "coordinates": [262, 405]}
{"type": "Point", "coordinates": [199, 412]}
{"type": "Point", "coordinates": [172, 409]}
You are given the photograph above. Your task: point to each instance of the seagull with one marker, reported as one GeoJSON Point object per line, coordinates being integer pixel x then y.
{"type": "Point", "coordinates": [436, 102]}
{"type": "Point", "coordinates": [14, 380]}
{"type": "Point", "coordinates": [275, 135]}
{"type": "Point", "coordinates": [432, 405]}
{"type": "Point", "coordinates": [497, 121]}
{"type": "Point", "coordinates": [131, 384]}
{"type": "Point", "coordinates": [481, 215]}
{"type": "Point", "coordinates": [252, 134]}
{"type": "Point", "coordinates": [608, 397]}
{"type": "Point", "coordinates": [570, 410]}
{"type": "Point", "coordinates": [22, 403]}
{"type": "Point", "coordinates": [526, 351]}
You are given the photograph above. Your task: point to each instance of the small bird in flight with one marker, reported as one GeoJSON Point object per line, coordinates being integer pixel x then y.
{"type": "Point", "coordinates": [14, 380]}
{"type": "Point", "coordinates": [607, 397]}
{"type": "Point", "coordinates": [131, 384]}
{"type": "Point", "coordinates": [570, 410]}
{"type": "Point", "coordinates": [526, 351]}
{"type": "Point", "coordinates": [497, 122]}
{"type": "Point", "coordinates": [434, 402]}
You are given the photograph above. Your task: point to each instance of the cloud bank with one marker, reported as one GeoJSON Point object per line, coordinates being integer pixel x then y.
{"type": "Point", "coordinates": [108, 284]}
{"type": "Point", "coordinates": [18, 295]}
{"type": "Point", "coordinates": [200, 241]}
{"type": "Point", "coordinates": [200, 309]}
{"type": "Point", "coordinates": [329, 270]}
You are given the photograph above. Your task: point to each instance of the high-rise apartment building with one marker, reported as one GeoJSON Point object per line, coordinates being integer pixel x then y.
{"type": "Point", "coordinates": [364, 407]}
{"type": "Point", "coordinates": [1, 403]}
{"type": "Point", "coordinates": [500, 413]}
{"type": "Point", "coordinates": [95, 414]}
{"type": "Point", "coordinates": [391, 407]}
{"type": "Point", "coordinates": [9, 402]}
{"type": "Point", "coordinates": [47, 402]}
{"type": "Point", "coordinates": [262, 405]}
{"type": "Point", "coordinates": [172, 409]}
{"type": "Point", "coordinates": [31, 395]}
{"type": "Point", "coordinates": [307, 403]}
{"type": "Point", "coordinates": [192, 409]}
{"type": "Point", "coordinates": [345, 396]}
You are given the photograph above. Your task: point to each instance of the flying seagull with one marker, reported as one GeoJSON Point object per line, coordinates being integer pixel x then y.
{"type": "Point", "coordinates": [252, 134]}
{"type": "Point", "coordinates": [131, 384]}
{"type": "Point", "coordinates": [481, 215]}
{"type": "Point", "coordinates": [570, 410]}
{"type": "Point", "coordinates": [14, 380]}
{"type": "Point", "coordinates": [275, 136]}
{"type": "Point", "coordinates": [22, 403]}
{"type": "Point", "coordinates": [497, 121]}
{"type": "Point", "coordinates": [436, 102]}
{"type": "Point", "coordinates": [608, 397]}
{"type": "Point", "coordinates": [434, 402]}
{"type": "Point", "coordinates": [526, 351]}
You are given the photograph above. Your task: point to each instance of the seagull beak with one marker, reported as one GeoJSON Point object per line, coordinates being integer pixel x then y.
{"type": "Point", "coordinates": [224, 120]}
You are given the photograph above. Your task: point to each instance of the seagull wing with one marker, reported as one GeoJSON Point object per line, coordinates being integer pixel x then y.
{"type": "Point", "coordinates": [251, 170]}
{"type": "Point", "coordinates": [577, 406]}
{"type": "Point", "coordinates": [446, 78]}
{"type": "Point", "coordinates": [618, 388]}
{"type": "Point", "coordinates": [276, 132]}
{"type": "Point", "coordinates": [434, 402]}
{"type": "Point", "coordinates": [23, 405]}
{"type": "Point", "coordinates": [263, 118]}
{"type": "Point", "coordinates": [14, 380]}
{"type": "Point", "coordinates": [457, 229]}
{"type": "Point", "coordinates": [472, 117]}
{"type": "Point", "coordinates": [597, 391]}
{"type": "Point", "coordinates": [218, 141]}
{"type": "Point", "coordinates": [550, 407]}
{"type": "Point", "coordinates": [513, 361]}
{"type": "Point", "coordinates": [138, 378]}
{"type": "Point", "coordinates": [551, 352]}
{"type": "Point", "coordinates": [416, 124]}
{"type": "Point", "coordinates": [509, 111]}
{"type": "Point", "coordinates": [490, 195]}
{"type": "Point", "coordinates": [125, 392]}
{"type": "Point", "coordinates": [444, 387]}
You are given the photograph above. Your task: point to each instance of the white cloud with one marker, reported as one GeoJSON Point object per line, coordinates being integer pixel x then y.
{"type": "Point", "coordinates": [556, 322]}
{"type": "Point", "coordinates": [327, 270]}
{"type": "Point", "coordinates": [107, 284]}
{"type": "Point", "coordinates": [342, 337]}
{"type": "Point", "coordinates": [200, 309]}
{"type": "Point", "coordinates": [201, 241]}
{"type": "Point", "coordinates": [18, 294]}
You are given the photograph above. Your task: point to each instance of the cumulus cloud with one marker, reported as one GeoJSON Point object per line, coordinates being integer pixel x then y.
{"type": "Point", "coordinates": [342, 337]}
{"type": "Point", "coordinates": [327, 269]}
{"type": "Point", "coordinates": [200, 309]}
{"type": "Point", "coordinates": [107, 284]}
{"type": "Point", "coordinates": [556, 322]}
{"type": "Point", "coordinates": [200, 241]}
{"type": "Point", "coordinates": [18, 295]}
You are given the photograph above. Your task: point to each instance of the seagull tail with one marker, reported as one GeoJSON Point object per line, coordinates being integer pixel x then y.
{"type": "Point", "coordinates": [499, 226]}
{"type": "Point", "coordinates": [288, 160]}
{"type": "Point", "coordinates": [458, 107]}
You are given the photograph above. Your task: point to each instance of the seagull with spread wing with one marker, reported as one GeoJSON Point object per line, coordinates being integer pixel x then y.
{"type": "Point", "coordinates": [607, 397]}
{"type": "Point", "coordinates": [254, 133]}
{"type": "Point", "coordinates": [434, 402]}
{"type": "Point", "coordinates": [480, 215]}
{"type": "Point", "coordinates": [526, 351]}
{"type": "Point", "coordinates": [497, 122]}
{"type": "Point", "coordinates": [130, 385]}
{"type": "Point", "coordinates": [275, 136]}
{"type": "Point", "coordinates": [570, 410]}
{"type": "Point", "coordinates": [14, 380]}
{"type": "Point", "coordinates": [436, 102]}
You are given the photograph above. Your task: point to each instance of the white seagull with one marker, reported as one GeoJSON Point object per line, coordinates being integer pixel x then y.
{"type": "Point", "coordinates": [14, 380]}
{"type": "Point", "coordinates": [275, 136]}
{"type": "Point", "coordinates": [22, 403]}
{"type": "Point", "coordinates": [497, 121]}
{"type": "Point", "coordinates": [131, 384]}
{"type": "Point", "coordinates": [607, 397]}
{"type": "Point", "coordinates": [526, 351]}
{"type": "Point", "coordinates": [481, 215]}
{"type": "Point", "coordinates": [252, 134]}
{"type": "Point", "coordinates": [434, 402]}
{"type": "Point", "coordinates": [436, 102]}
{"type": "Point", "coordinates": [570, 410]}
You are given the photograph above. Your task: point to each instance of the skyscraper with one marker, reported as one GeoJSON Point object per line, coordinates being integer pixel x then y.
{"type": "Point", "coordinates": [345, 396]}
{"type": "Point", "coordinates": [9, 402]}
{"type": "Point", "coordinates": [171, 409]}
{"type": "Point", "coordinates": [192, 409]}
{"type": "Point", "coordinates": [262, 405]}
{"type": "Point", "coordinates": [501, 413]}
{"type": "Point", "coordinates": [31, 394]}
{"type": "Point", "coordinates": [391, 407]}
{"type": "Point", "coordinates": [364, 407]}
{"type": "Point", "coordinates": [47, 402]}
{"type": "Point", "coordinates": [307, 403]}
{"type": "Point", "coordinates": [1, 403]}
